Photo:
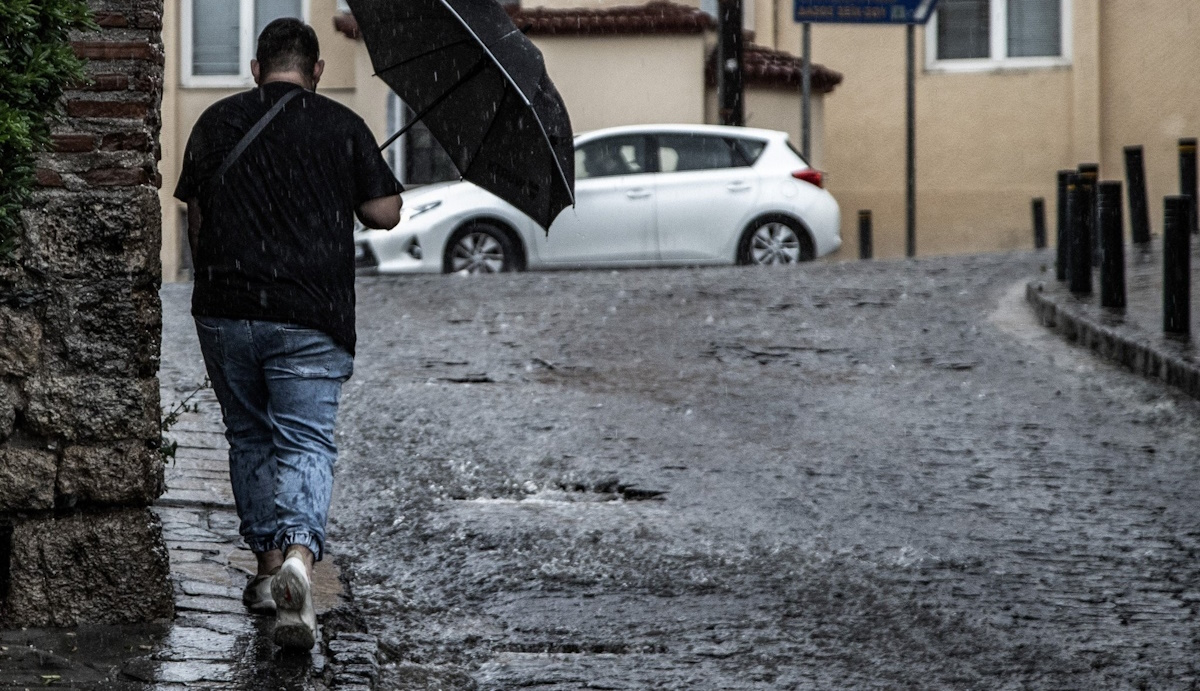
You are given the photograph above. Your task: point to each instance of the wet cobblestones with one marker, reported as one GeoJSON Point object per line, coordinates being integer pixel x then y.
{"type": "Point", "coordinates": [875, 475]}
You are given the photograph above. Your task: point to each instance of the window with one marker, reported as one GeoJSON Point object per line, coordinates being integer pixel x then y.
{"type": "Point", "coordinates": [218, 37]}
{"type": "Point", "coordinates": [611, 156]}
{"type": "Point", "coordinates": [682, 152]}
{"type": "Point", "coordinates": [416, 158]}
{"type": "Point", "coordinates": [969, 35]}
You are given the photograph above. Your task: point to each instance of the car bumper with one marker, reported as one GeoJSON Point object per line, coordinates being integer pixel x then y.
{"type": "Point", "coordinates": [392, 253]}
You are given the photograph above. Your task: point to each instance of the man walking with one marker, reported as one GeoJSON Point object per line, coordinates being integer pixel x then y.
{"type": "Point", "coordinates": [273, 178]}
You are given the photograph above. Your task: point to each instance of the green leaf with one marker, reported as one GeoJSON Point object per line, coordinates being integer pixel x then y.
{"type": "Point", "coordinates": [36, 65]}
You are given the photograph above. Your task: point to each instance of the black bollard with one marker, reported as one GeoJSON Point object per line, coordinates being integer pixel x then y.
{"type": "Point", "coordinates": [1039, 224]}
{"type": "Point", "coordinates": [1177, 223]}
{"type": "Point", "coordinates": [864, 234]}
{"type": "Point", "coordinates": [1187, 178]}
{"type": "Point", "coordinates": [1139, 207]}
{"type": "Point", "coordinates": [1112, 227]}
{"type": "Point", "coordinates": [1089, 175]}
{"type": "Point", "coordinates": [1079, 250]}
{"type": "Point", "coordinates": [1060, 237]}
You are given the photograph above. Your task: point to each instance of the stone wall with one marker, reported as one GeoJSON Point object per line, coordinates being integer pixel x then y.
{"type": "Point", "coordinates": [80, 327]}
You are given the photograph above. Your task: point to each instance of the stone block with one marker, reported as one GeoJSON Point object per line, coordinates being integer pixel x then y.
{"type": "Point", "coordinates": [20, 341]}
{"type": "Point", "coordinates": [27, 479]}
{"type": "Point", "coordinates": [95, 233]}
{"type": "Point", "coordinates": [10, 402]}
{"type": "Point", "coordinates": [114, 50]}
{"type": "Point", "coordinates": [92, 407]}
{"type": "Point", "coordinates": [129, 473]}
{"type": "Point", "coordinates": [105, 327]}
{"type": "Point", "coordinates": [100, 568]}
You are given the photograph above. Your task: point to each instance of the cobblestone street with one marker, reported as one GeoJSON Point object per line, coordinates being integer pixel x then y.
{"type": "Point", "coordinates": [851, 475]}
{"type": "Point", "coordinates": [873, 475]}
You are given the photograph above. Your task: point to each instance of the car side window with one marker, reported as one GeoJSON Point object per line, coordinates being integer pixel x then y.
{"type": "Point", "coordinates": [623, 155]}
{"type": "Point", "coordinates": [682, 152]}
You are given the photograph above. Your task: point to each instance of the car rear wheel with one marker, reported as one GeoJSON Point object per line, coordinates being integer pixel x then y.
{"type": "Point", "coordinates": [479, 248]}
{"type": "Point", "coordinates": [774, 240]}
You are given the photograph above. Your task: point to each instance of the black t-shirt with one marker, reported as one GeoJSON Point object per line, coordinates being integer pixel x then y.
{"type": "Point", "coordinates": [276, 231]}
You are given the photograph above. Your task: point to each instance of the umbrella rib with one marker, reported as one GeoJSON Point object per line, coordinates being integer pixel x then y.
{"type": "Point", "coordinates": [431, 51]}
{"type": "Point", "coordinates": [541, 126]}
{"type": "Point", "coordinates": [469, 74]}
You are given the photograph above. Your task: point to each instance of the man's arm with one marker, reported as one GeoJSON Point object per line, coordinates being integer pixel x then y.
{"type": "Point", "coordinates": [193, 220]}
{"type": "Point", "coordinates": [382, 212]}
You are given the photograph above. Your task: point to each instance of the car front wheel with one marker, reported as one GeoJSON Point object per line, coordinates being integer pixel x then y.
{"type": "Point", "coordinates": [774, 240]}
{"type": "Point", "coordinates": [479, 248]}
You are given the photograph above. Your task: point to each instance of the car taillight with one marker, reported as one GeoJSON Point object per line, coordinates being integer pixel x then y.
{"type": "Point", "coordinates": [810, 175]}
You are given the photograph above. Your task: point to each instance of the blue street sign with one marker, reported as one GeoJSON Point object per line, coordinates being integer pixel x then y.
{"type": "Point", "coordinates": [864, 11]}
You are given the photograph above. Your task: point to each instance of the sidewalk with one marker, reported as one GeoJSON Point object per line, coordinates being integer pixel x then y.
{"type": "Point", "coordinates": [213, 643]}
{"type": "Point", "coordinates": [1132, 337]}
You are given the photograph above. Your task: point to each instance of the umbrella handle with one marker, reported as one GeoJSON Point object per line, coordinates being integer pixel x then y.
{"type": "Point", "coordinates": [468, 75]}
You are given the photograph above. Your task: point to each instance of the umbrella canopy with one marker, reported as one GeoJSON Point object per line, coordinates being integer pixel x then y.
{"type": "Point", "coordinates": [481, 88]}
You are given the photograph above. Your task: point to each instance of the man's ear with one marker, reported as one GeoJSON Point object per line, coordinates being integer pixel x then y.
{"type": "Point", "coordinates": [254, 70]}
{"type": "Point", "coordinates": [318, 70]}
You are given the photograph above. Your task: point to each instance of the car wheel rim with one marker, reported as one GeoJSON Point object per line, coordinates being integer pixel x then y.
{"type": "Point", "coordinates": [477, 253]}
{"type": "Point", "coordinates": [774, 243]}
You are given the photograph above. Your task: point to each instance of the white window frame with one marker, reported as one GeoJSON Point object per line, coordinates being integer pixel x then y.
{"type": "Point", "coordinates": [998, 46]}
{"type": "Point", "coordinates": [246, 39]}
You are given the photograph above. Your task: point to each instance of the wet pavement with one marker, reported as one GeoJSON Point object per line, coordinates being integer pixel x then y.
{"type": "Point", "coordinates": [861, 475]}
{"type": "Point", "coordinates": [867, 475]}
{"type": "Point", "coordinates": [213, 642]}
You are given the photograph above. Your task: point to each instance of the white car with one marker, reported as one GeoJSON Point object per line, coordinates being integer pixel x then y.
{"type": "Point", "coordinates": [649, 195]}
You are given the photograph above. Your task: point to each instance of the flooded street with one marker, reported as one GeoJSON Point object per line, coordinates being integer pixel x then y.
{"type": "Point", "coordinates": [871, 475]}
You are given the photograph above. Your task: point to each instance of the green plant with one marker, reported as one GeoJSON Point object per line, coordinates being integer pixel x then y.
{"type": "Point", "coordinates": [36, 64]}
{"type": "Point", "coordinates": [168, 447]}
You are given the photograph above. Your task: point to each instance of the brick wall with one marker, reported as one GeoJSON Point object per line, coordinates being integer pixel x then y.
{"type": "Point", "coordinates": [80, 326]}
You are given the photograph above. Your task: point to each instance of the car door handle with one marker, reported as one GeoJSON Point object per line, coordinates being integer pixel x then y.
{"type": "Point", "coordinates": [737, 186]}
{"type": "Point", "coordinates": [638, 193]}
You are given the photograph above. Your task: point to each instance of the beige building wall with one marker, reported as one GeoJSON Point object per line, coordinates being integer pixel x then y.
{"type": "Point", "coordinates": [988, 142]}
{"type": "Point", "coordinates": [624, 80]}
{"type": "Point", "coordinates": [1151, 67]}
{"type": "Point", "coordinates": [171, 145]}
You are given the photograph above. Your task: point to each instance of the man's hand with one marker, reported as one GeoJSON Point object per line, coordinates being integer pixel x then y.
{"type": "Point", "coordinates": [382, 213]}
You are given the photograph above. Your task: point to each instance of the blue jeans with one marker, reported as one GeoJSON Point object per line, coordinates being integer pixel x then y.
{"type": "Point", "coordinates": [278, 385]}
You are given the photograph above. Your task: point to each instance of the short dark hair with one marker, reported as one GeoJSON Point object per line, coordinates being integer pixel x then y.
{"type": "Point", "coordinates": [287, 44]}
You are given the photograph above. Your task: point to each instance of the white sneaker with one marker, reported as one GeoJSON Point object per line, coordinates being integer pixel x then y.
{"type": "Point", "coordinates": [295, 618]}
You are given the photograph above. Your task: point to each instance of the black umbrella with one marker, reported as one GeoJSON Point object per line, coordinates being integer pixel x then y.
{"type": "Point", "coordinates": [481, 88]}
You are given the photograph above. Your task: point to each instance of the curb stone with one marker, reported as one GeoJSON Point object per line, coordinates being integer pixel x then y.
{"type": "Point", "coordinates": [1080, 321]}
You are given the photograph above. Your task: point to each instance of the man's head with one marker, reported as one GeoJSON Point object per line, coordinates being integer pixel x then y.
{"type": "Point", "coordinates": [288, 51]}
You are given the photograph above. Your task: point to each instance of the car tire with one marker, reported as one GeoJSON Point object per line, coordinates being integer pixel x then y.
{"type": "Point", "coordinates": [480, 248]}
{"type": "Point", "coordinates": [775, 239]}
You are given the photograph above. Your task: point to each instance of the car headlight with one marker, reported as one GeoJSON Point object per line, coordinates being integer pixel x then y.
{"type": "Point", "coordinates": [423, 208]}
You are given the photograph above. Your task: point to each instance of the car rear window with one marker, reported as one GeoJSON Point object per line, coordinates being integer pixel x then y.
{"type": "Point", "coordinates": [750, 149]}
